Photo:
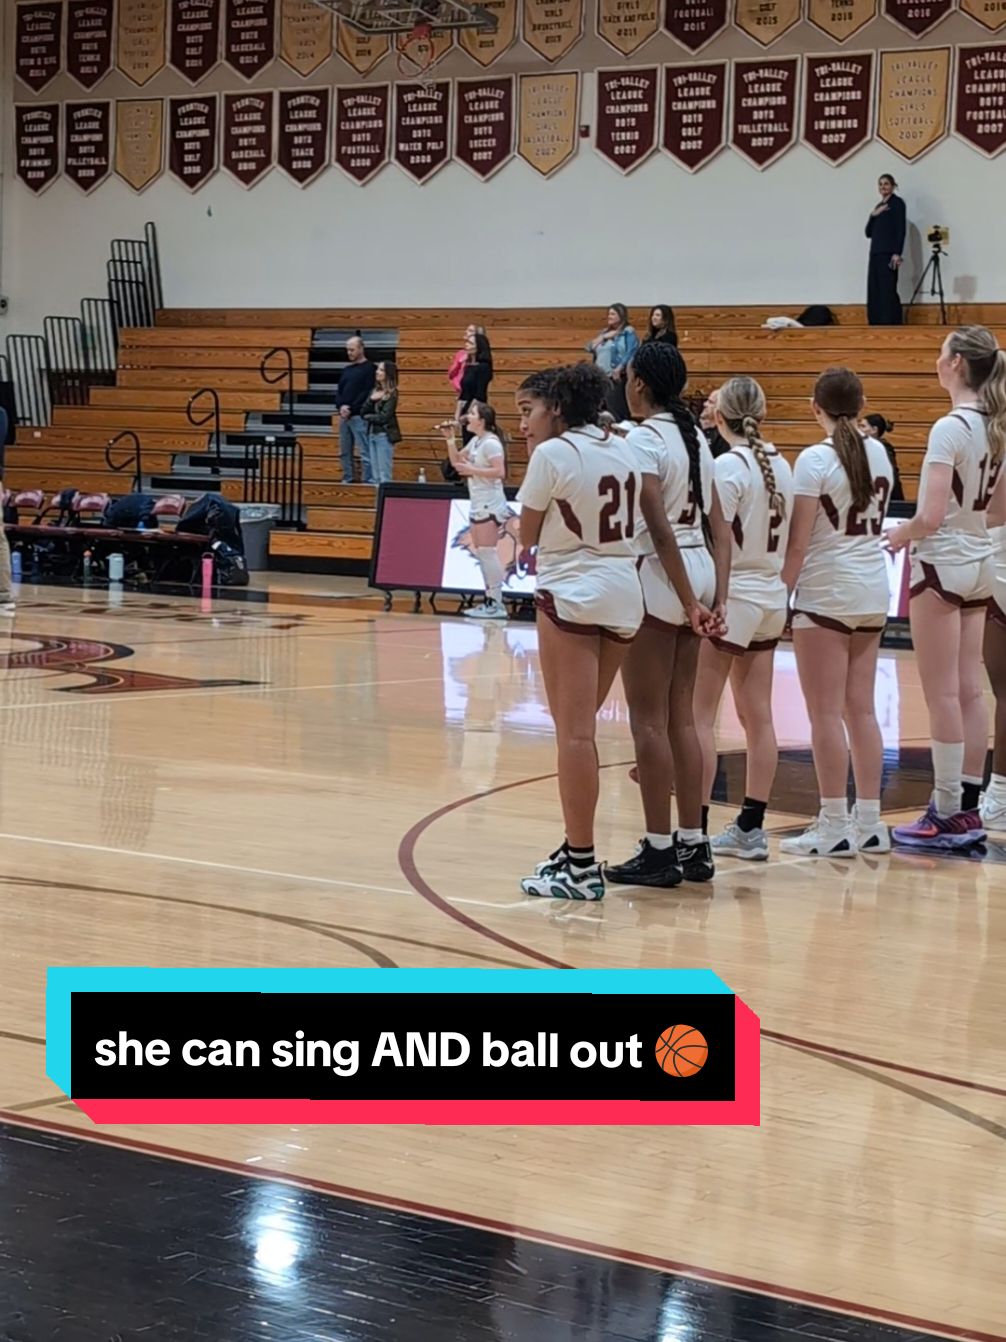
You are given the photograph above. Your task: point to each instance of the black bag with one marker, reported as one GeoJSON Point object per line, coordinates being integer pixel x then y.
{"type": "Point", "coordinates": [231, 569]}
{"type": "Point", "coordinates": [817, 315]}
{"type": "Point", "coordinates": [450, 473]}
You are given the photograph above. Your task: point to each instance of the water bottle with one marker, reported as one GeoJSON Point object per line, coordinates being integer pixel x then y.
{"type": "Point", "coordinates": [116, 568]}
{"type": "Point", "coordinates": [15, 565]}
{"type": "Point", "coordinates": [87, 566]}
{"type": "Point", "coordinates": [421, 477]}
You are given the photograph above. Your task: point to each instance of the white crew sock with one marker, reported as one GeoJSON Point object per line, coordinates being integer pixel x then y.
{"type": "Point", "coordinates": [996, 789]}
{"type": "Point", "coordinates": [835, 810]}
{"type": "Point", "coordinates": [492, 572]}
{"type": "Point", "coordinates": [868, 813]}
{"type": "Point", "coordinates": [660, 841]}
{"type": "Point", "coordinates": [690, 836]}
{"type": "Point", "coordinates": [948, 765]}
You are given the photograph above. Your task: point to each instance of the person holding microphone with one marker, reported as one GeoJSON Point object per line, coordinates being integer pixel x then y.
{"type": "Point", "coordinates": [886, 230]}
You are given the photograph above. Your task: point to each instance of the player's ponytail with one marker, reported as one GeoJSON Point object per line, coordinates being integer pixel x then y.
{"type": "Point", "coordinates": [662, 371]}
{"type": "Point", "coordinates": [741, 404]}
{"type": "Point", "coordinates": [838, 393]}
{"type": "Point", "coordinates": [984, 365]}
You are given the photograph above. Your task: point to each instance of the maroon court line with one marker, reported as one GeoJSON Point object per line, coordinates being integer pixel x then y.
{"type": "Point", "coordinates": [410, 870]}
{"type": "Point", "coordinates": [595, 1249]}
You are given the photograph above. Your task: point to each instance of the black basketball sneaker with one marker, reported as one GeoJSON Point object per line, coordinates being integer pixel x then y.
{"type": "Point", "coordinates": [648, 866]}
{"type": "Point", "coordinates": [695, 859]}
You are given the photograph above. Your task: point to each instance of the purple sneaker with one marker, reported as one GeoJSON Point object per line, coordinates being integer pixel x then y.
{"type": "Point", "coordinates": [963, 830]}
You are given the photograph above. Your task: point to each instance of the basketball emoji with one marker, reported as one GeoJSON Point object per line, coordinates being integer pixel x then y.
{"type": "Point", "coordinates": [682, 1050]}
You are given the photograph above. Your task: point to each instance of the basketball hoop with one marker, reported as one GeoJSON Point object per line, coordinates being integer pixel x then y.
{"type": "Point", "coordinates": [419, 53]}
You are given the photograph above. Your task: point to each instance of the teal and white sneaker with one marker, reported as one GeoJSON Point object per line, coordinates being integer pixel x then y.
{"type": "Point", "coordinates": [751, 844]}
{"type": "Point", "coordinates": [562, 882]}
{"type": "Point", "coordinates": [553, 862]}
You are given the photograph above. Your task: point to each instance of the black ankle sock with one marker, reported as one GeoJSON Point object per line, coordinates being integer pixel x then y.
{"type": "Point", "coordinates": [752, 815]}
{"type": "Point", "coordinates": [705, 820]}
{"type": "Point", "coordinates": [580, 858]}
{"type": "Point", "coordinates": [970, 793]}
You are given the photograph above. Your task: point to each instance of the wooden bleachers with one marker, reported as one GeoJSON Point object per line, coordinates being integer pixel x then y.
{"type": "Point", "coordinates": [161, 367]}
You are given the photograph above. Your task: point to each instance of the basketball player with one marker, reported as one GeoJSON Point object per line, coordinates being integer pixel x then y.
{"type": "Point", "coordinates": [483, 461]}
{"type": "Point", "coordinates": [580, 505]}
{"type": "Point", "coordinates": [952, 580]}
{"type": "Point", "coordinates": [992, 807]}
{"type": "Point", "coordinates": [755, 487]}
{"type": "Point", "coordinates": [835, 561]}
{"type": "Point", "coordinates": [659, 671]}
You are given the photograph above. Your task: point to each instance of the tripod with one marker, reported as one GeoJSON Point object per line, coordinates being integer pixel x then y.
{"type": "Point", "coordinates": [936, 288]}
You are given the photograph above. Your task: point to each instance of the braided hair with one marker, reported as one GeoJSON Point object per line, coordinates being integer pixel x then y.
{"type": "Point", "coordinates": [663, 373]}
{"type": "Point", "coordinates": [741, 404]}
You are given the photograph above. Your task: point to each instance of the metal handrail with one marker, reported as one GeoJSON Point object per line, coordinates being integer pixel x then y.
{"type": "Point", "coordinates": [135, 460]}
{"type": "Point", "coordinates": [213, 413]}
{"type": "Point", "coordinates": [287, 373]}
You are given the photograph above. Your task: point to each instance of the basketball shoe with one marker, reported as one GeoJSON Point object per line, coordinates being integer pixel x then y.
{"type": "Point", "coordinates": [695, 859]}
{"type": "Point", "coordinates": [992, 810]}
{"type": "Point", "coordinates": [931, 830]}
{"type": "Point", "coordinates": [657, 867]}
{"type": "Point", "coordinates": [489, 610]}
{"type": "Point", "coordinates": [822, 839]}
{"type": "Point", "coordinates": [562, 882]}
{"type": "Point", "coordinates": [870, 838]}
{"type": "Point", "coordinates": [736, 842]}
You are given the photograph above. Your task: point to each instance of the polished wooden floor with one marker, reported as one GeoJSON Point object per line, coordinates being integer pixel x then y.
{"type": "Point", "coordinates": [312, 782]}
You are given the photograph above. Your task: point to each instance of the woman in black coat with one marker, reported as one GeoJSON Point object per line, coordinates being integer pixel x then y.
{"type": "Point", "coordinates": [886, 230]}
{"type": "Point", "coordinates": [475, 378]}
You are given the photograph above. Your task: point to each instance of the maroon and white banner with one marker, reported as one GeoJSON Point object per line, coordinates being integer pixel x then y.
{"type": "Point", "coordinates": [422, 128]}
{"type": "Point", "coordinates": [305, 128]}
{"type": "Point", "coordinates": [362, 119]}
{"type": "Point", "coordinates": [837, 104]}
{"type": "Point", "coordinates": [980, 105]}
{"type": "Point", "coordinates": [87, 150]}
{"type": "Point", "coordinates": [193, 125]}
{"type": "Point", "coordinates": [36, 144]}
{"type": "Point", "coordinates": [764, 108]}
{"type": "Point", "coordinates": [38, 41]}
{"type": "Point", "coordinates": [249, 35]}
{"type": "Point", "coordinates": [194, 37]}
{"type": "Point", "coordinates": [484, 123]}
{"type": "Point", "coordinates": [695, 112]}
{"type": "Point", "coordinates": [249, 141]}
{"type": "Point", "coordinates": [89, 40]}
{"type": "Point", "coordinates": [694, 23]}
{"type": "Point", "coordinates": [917, 17]}
{"type": "Point", "coordinates": [626, 116]}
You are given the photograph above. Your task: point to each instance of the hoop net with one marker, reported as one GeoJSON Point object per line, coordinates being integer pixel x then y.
{"type": "Point", "coordinates": [418, 55]}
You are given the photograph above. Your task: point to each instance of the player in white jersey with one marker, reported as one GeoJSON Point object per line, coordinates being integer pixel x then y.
{"type": "Point", "coordinates": [582, 501]}
{"type": "Point", "coordinates": [482, 461]}
{"type": "Point", "coordinates": [952, 580]}
{"type": "Point", "coordinates": [755, 486]}
{"type": "Point", "coordinates": [659, 672]}
{"type": "Point", "coordinates": [993, 803]}
{"type": "Point", "coordinates": [835, 562]}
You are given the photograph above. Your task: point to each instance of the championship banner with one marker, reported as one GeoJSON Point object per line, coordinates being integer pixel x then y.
{"type": "Point", "coordinates": [249, 141]}
{"type": "Point", "coordinates": [917, 17]}
{"type": "Point", "coordinates": [913, 100]}
{"type": "Point", "coordinates": [140, 48]}
{"type": "Point", "coordinates": [484, 123]}
{"type": "Point", "coordinates": [362, 121]}
{"type": "Point", "coordinates": [648, 1047]}
{"type": "Point", "coordinates": [764, 108]}
{"type": "Point", "coordinates": [363, 51]}
{"type": "Point", "coordinates": [87, 151]}
{"type": "Point", "coordinates": [991, 14]}
{"type": "Point", "coordinates": [89, 40]}
{"type": "Point", "coordinates": [422, 128]}
{"type": "Point", "coordinates": [193, 125]}
{"type": "Point", "coordinates": [625, 132]}
{"type": "Point", "coordinates": [837, 104]}
{"type": "Point", "coordinates": [249, 36]}
{"type": "Point", "coordinates": [841, 19]}
{"type": "Point", "coordinates": [485, 47]}
{"type": "Point", "coordinates": [551, 28]}
{"type": "Point", "coordinates": [694, 23]}
{"type": "Point", "coordinates": [304, 132]}
{"type": "Point", "coordinates": [36, 144]}
{"type": "Point", "coordinates": [979, 116]}
{"type": "Point", "coordinates": [695, 113]}
{"type": "Point", "coordinates": [627, 24]}
{"type": "Point", "coordinates": [195, 37]}
{"type": "Point", "coordinates": [38, 42]}
{"type": "Point", "coordinates": [766, 20]}
{"type": "Point", "coordinates": [139, 141]}
{"type": "Point", "coordinates": [548, 120]}
{"type": "Point", "coordinates": [305, 35]}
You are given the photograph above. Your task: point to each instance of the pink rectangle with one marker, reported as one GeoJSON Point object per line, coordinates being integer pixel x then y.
{"type": "Point", "coordinates": [412, 541]}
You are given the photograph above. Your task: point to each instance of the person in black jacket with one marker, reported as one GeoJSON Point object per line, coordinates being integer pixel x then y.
{"type": "Point", "coordinates": [662, 326]}
{"type": "Point", "coordinates": [876, 426]}
{"type": "Point", "coordinates": [356, 382]}
{"type": "Point", "coordinates": [478, 373]}
{"type": "Point", "coordinates": [886, 230]}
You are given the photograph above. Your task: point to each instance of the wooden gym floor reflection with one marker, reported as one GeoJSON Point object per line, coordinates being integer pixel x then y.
{"type": "Point", "coordinates": [313, 784]}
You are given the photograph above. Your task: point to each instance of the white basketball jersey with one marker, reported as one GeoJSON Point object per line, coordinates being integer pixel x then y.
{"type": "Point", "coordinates": [960, 440]}
{"type": "Point", "coordinates": [485, 494]}
{"type": "Point", "coordinates": [844, 571]}
{"type": "Point", "coordinates": [661, 451]}
{"type": "Point", "coordinates": [587, 483]}
{"type": "Point", "coordinates": [760, 531]}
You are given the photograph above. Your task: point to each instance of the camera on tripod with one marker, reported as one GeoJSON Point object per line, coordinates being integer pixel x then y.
{"type": "Point", "coordinates": [938, 236]}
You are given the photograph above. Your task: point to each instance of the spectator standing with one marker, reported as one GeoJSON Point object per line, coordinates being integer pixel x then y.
{"type": "Point", "coordinates": [612, 349]}
{"type": "Point", "coordinates": [876, 426]}
{"type": "Point", "coordinates": [7, 606]}
{"type": "Point", "coordinates": [381, 415]}
{"type": "Point", "coordinates": [707, 423]}
{"type": "Point", "coordinates": [662, 326]}
{"type": "Point", "coordinates": [355, 385]}
{"type": "Point", "coordinates": [475, 378]}
{"type": "Point", "coordinates": [457, 368]}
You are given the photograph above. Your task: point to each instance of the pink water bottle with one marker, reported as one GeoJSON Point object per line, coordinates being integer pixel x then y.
{"type": "Point", "coordinates": [207, 580]}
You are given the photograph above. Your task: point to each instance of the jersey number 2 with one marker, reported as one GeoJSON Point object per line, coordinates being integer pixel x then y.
{"type": "Point", "coordinates": [610, 526]}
